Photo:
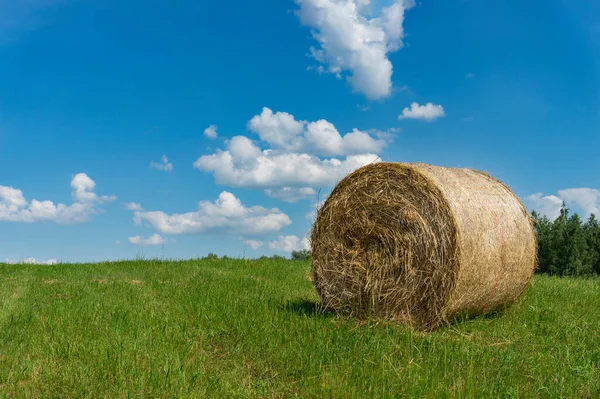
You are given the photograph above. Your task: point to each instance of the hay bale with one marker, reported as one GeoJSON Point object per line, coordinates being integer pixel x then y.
{"type": "Point", "coordinates": [422, 244]}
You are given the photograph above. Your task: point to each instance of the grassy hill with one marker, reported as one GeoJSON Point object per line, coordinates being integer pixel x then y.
{"type": "Point", "coordinates": [234, 328]}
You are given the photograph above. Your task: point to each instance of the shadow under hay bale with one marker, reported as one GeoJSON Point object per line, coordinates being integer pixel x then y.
{"type": "Point", "coordinates": [421, 244]}
{"type": "Point", "coordinates": [306, 308]}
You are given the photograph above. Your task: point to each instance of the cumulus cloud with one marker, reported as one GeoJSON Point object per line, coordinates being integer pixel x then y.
{"type": "Point", "coordinates": [351, 41]}
{"type": "Point", "coordinates": [254, 244]}
{"type": "Point", "coordinates": [31, 261]}
{"type": "Point", "coordinates": [290, 243]}
{"type": "Point", "coordinates": [243, 164]}
{"type": "Point", "coordinates": [226, 215]}
{"type": "Point", "coordinates": [134, 206]}
{"type": "Point", "coordinates": [163, 165]}
{"type": "Point", "coordinates": [83, 190]}
{"type": "Point", "coordinates": [155, 239]}
{"type": "Point", "coordinates": [548, 205]}
{"type": "Point", "coordinates": [290, 194]}
{"type": "Point", "coordinates": [427, 112]}
{"type": "Point", "coordinates": [283, 132]}
{"type": "Point", "coordinates": [586, 199]}
{"type": "Point", "coordinates": [15, 208]}
{"type": "Point", "coordinates": [211, 132]}
{"type": "Point", "coordinates": [293, 163]}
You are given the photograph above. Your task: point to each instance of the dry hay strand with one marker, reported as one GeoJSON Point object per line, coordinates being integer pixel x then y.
{"type": "Point", "coordinates": [421, 244]}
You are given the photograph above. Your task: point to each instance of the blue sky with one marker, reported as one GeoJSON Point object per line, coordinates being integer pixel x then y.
{"type": "Point", "coordinates": [298, 93]}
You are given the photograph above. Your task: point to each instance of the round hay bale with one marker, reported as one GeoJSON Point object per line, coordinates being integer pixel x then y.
{"type": "Point", "coordinates": [422, 244]}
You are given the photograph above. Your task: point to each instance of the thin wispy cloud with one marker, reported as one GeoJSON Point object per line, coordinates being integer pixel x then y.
{"type": "Point", "coordinates": [163, 165]}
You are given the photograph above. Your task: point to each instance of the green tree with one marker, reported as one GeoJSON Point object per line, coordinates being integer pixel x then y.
{"type": "Point", "coordinates": [543, 230]}
{"type": "Point", "coordinates": [566, 246]}
{"type": "Point", "coordinates": [558, 243]}
{"type": "Point", "coordinates": [591, 230]}
{"type": "Point", "coordinates": [577, 261]}
{"type": "Point", "coordinates": [301, 255]}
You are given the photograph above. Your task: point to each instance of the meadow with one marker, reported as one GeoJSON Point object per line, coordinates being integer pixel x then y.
{"type": "Point", "coordinates": [251, 328]}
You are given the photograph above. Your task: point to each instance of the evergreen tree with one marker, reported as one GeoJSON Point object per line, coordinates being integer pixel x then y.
{"type": "Point", "coordinates": [576, 256]}
{"type": "Point", "coordinates": [543, 230]}
{"type": "Point", "coordinates": [566, 246]}
{"type": "Point", "coordinates": [591, 231]}
{"type": "Point", "coordinates": [303, 254]}
{"type": "Point", "coordinates": [558, 243]}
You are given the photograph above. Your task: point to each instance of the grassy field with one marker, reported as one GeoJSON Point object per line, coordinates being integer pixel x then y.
{"type": "Point", "coordinates": [234, 328]}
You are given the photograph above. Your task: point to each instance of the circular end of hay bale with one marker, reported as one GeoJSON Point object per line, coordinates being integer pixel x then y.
{"type": "Point", "coordinates": [411, 242]}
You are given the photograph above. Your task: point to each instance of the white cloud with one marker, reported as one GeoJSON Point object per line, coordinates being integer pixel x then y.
{"type": "Point", "coordinates": [227, 215]}
{"type": "Point", "coordinates": [254, 244]}
{"type": "Point", "coordinates": [292, 165]}
{"type": "Point", "coordinates": [548, 205]}
{"type": "Point", "coordinates": [270, 169]}
{"type": "Point", "coordinates": [31, 261]}
{"type": "Point", "coordinates": [280, 130]}
{"type": "Point", "coordinates": [290, 194]}
{"type": "Point", "coordinates": [587, 199]}
{"type": "Point", "coordinates": [427, 112]}
{"type": "Point", "coordinates": [350, 41]}
{"type": "Point", "coordinates": [290, 243]}
{"type": "Point", "coordinates": [283, 132]}
{"type": "Point", "coordinates": [211, 132]}
{"type": "Point", "coordinates": [83, 190]}
{"type": "Point", "coordinates": [15, 208]}
{"type": "Point", "coordinates": [134, 206]}
{"type": "Point", "coordinates": [164, 164]}
{"type": "Point", "coordinates": [155, 239]}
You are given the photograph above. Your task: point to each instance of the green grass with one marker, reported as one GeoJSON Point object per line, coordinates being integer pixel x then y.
{"type": "Point", "coordinates": [249, 329]}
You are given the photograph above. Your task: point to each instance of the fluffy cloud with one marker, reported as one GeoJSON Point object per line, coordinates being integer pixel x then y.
{"type": "Point", "coordinates": [290, 243]}
{"type": "Point", "coordinates": [163, 165]}
{"type": "Point", "coordinates": [586, 199]}
{"type": "Point", "coordinates": [83, 190]}
{"type": "Point", "coordinates": [133, 206]}
{"type": "Point", "coordinates": [548, 205]}
{"type": "Point", "coordinates": [31, 261]}
{"type": "Point", "coordinates": [350, 41]}
{"type": "Point", "coordinates": [211, 132]}
{"type": "Point", "coordinates": [15, 208]}
{"type": "Point", "coordinates": [254, 244]}
{"type": "Point", "coordinates": [283, 132]}
{"type": "Point", "coordinates": [155, 239]}
{"type": "Point", "coordinates": [292, 165]}
{"type": "Point", "coordinates": [280, 130]}
{"type": "Point", "coordinates": [290, 194]}
{"type": "Point", "coordinates": [427, 112]}
{"type": "Point", "coordinates": [227, 215]}
{"type": "Point", "coordinates": [243, 164]}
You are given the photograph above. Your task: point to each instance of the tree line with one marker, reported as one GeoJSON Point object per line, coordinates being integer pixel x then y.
{"type": "Point", "coordinates": [568, 246]}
